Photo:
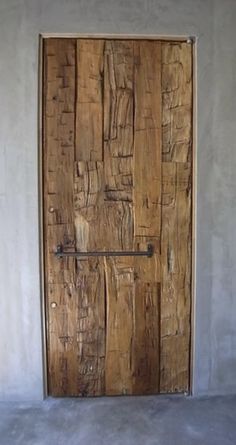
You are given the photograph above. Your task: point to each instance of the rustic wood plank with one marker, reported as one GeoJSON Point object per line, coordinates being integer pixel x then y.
{"type": "Point", "coordinates": [147, 139]}
{"type": "Point", "coordinates": [147, 215]}
{"type": "Point", "coordinates": [177, 102]}
{"type": "Point", "coordinates": [118, 120]}
{"type": "Point", "coordinates": [120, 300]}
{"type": "Point", "coordinates": [145, 345]}
{"type": "Point", "coordinates": [118, 211]}
{"type": "Point", "coordinates": [176, 216]}
{"type": "Point", "coordinates": [89, 107]}
{"type": "Point", "coordinates": [176, 276]}
{"type": "Point", "coordinates": [88, 194]}
{"type": "Point", "coordinates": [88, 197]}
{"type": "Point", "coordinates": [59, 115]}
{"type": "Point", "coordinates": [90, 327]}
{"type": "Point", "coordinates": [63, 343]}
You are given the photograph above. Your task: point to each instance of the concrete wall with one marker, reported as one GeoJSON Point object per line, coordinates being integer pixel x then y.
{"type": "Point", "coordinates": [213, 22]}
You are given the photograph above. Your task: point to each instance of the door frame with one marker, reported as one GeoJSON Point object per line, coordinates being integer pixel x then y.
{"type": "Point", "coordinates": [180, 38]}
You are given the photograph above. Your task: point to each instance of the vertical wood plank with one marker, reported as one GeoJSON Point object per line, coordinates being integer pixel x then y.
{"type": "Point", "coordinates": [118, 121]}
{"type": "Point", "coordinates": [89, 107]}
{"type": "Point", "coordinates": [88, 198]}
{"type": "Point", "coordinates": [176, 277]}
{"type": "Point", "coordinates": [145, 345]}
{"type": "Point", "coordinates": [147, 215]}
{"type": "Point", "coordinates": [147, 139]}
{"type": "Point", "coordinates": [176, 217]}
{"type": "Point", "coordinates": [146, 339]}
{"type": "Point", "coordinates": [59, 115]}
{"type": "Point", "coordinates": [118, 163]}
{"type": "Point", "coordinates": [177, 102]}
{"type": "Point", "coordinates": [119, 277]}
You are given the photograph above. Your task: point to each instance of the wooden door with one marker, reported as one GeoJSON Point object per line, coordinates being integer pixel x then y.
{"type": "Point", "coordinates": [117, 155]}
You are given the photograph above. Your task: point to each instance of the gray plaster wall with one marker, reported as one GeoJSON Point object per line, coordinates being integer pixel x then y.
{"type": "Point", "coordinates": [213, 22]}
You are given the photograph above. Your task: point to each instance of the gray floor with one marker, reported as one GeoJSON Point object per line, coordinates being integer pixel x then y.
{"type": "Point", "coordinates": [154, 420]}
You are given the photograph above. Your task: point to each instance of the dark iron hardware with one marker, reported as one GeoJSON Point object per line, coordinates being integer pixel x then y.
{"type": "Point", "coordinates": [60, 253]}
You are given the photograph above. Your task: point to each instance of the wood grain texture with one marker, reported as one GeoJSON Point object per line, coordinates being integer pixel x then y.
{"type": "Point", "coordinates": [147, 139]}
{"type": "Point", "coordinates": [117, 176]}
{"type": "Point", "coordinates": [76, 327]}
{"type": "Point", "coordinates": [176, 216]}
{"type": "Point", "coordinates": [118, 121]}
{"type": "Point", "coordinates": [88, 198]}
{"type": "Point", "coordinates": [88, 181]}
{"type": "Point", "coordinates": [59, 115]}
{"type": "Point", "coordinates": [118, 166]}
{"type": "Point", "coordinates": [176, 277]}
{"type": "Point", "coordinates": [89, 108]}
{"type": "Point", "coordinates": [147, 215]}
{"type": "Point", "coordinates": [177, 102]}
{"type": "Point", "coordinates": [145, 345]}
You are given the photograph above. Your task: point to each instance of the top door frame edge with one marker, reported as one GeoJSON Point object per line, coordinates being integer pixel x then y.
{"type": "Point", "coordinates": [174, 38]}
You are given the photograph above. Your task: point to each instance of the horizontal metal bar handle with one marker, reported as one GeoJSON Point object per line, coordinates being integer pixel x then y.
{"type": "Point", "coordinates": [60, 253]}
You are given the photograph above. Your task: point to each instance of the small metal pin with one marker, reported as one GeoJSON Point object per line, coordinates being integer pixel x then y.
{"type": "Point", "coordinates": [59, 251]}
{"type": "Point", "coordinates": [51, 209]}
{"type": "Point", "coordinates": [53, 304]}
{"type": "Point", "coordinates": [190, 40]}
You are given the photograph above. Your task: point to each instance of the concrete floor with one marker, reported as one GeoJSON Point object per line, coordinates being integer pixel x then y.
{"type": "Point", "coordinates": [154, 420]}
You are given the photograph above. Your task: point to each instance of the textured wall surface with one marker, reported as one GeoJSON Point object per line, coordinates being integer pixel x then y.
{"type": "Point", "coordinates": [213, 22]}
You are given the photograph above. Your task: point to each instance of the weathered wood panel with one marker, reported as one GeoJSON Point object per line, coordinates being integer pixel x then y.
{"type": "Point", "coordinates": [120, 300]}
{"type": "Point", "coordinates": [90, 278]}
{"type": "Point", "coordinates": [147, 215]}
{"type": "Point", "coordinates": [117, 159]}
{"type": "Point", "coordinates": [118, 211]}
{"type": "Point", "coordinates": [176, 216]}
{"type": "Point", "coordinates": [89, 230]}
{"type": "Point", "coordinates": [118, 121]}
{"type": "Point", "coordinates": [59, 115]}
{"type": "Point", "coordinates": [76, 336]}
{"type": "Point", "coordinates": [145, 345]}
{"type": "Point", "coordinates": [147, 139]}
{"type": "Point", "coordinates": [146, 338]}
{"type": "Point", "coordinates": [176, 277]}
{"type": "Point", "coordinates": [177, 102]}
{"type": "Point", "coordinates": [89, 107]}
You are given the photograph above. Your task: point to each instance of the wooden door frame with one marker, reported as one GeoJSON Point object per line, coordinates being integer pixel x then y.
{"type": "Point", "coordinates": [183, 38]}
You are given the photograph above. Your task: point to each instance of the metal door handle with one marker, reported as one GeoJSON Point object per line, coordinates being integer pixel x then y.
{"type": "Point", "coordinates": [60, 253]}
